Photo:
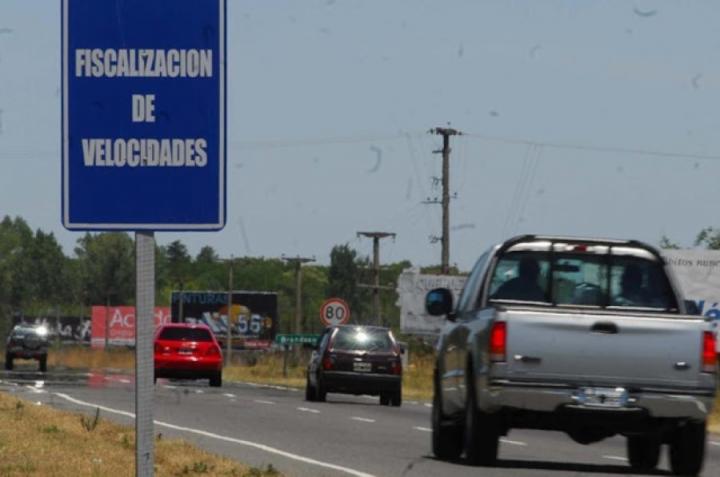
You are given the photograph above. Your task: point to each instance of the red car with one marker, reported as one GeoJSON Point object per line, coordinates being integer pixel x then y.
{"type": "Point", "coordinates": [188, 351]}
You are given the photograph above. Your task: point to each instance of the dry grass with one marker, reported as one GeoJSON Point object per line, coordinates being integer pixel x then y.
{"type": "Point", "coordinates": [39, 441]}
{"type": "Point", "coordinates": [89, 358]}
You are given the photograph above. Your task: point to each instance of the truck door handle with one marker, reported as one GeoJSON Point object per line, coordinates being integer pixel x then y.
{"type": "Point", "coordinates": [682, 366]}
{"type": "Point", "coordinates": [605, 327]}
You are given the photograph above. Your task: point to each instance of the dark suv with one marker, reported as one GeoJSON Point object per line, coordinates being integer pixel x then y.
{"type": "Point", "coordinates": [27, 342]}
{"type": "Point", "coordinates": [356, 360]}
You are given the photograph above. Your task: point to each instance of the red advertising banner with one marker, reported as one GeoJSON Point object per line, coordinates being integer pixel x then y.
{"type": "Point", "coordinates": [120, 322]}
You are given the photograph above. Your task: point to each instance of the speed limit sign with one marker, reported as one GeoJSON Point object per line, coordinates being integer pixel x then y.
{"type": "Point", "coordinates": [335, 311]}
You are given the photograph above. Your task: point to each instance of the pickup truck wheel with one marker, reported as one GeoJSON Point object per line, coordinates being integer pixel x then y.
{"type": "Point", "coordinates": [8, 362]}
{"type": "Point", "coordinates": [687, 449]}
{"type": "Point", "coordinates": [447, 437]}
{"type": "Point", "coordinates": [481, 431]}
{"type": "Point", "coordinates": [643, 452]}
{"type": "Point", "coordinates": [43, 363]}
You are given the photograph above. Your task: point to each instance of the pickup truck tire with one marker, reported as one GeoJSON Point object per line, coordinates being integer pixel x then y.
{"type": "Point", "coordinates": [8, 362]}
{"type": "Point", "coordinates": [482, 435]}
{"type": "Point", "coordinates": [687, 449]}
{"type": "Point", "coordinates": [643, 452]}
{"type": "Point", "coordinates": [43, 363]}
{"type": "Point", "coordinates": [447, 436]}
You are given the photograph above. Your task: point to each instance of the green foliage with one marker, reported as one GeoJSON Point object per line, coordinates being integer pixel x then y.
{"type": "Point", "coordinates": [667, 244]}
{"type": "Point", "coordinates": [708, 238]}
{"type": "Point", "coordinates": [37, 278]}
{"type": "Point", "coordinates": [108, 267]}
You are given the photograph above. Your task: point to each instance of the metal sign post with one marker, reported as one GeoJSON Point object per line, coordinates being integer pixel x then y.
{"type": "Point", "coordinates": [144, 370]}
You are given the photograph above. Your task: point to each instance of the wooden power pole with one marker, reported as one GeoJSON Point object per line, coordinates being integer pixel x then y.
{"type": "Point", "coordinates": [445, 133]}
{"type": "Point", "coordinates": [376, 236]}
{"type": "Point", "coordinates": [297, 262]}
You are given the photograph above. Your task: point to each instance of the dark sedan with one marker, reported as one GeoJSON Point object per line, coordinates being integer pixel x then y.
{"type": "Point", "coordinates": [356, 360]}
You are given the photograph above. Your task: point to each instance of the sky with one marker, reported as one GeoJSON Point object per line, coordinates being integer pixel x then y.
{"type": "Point", "coordinates": [329, 104]}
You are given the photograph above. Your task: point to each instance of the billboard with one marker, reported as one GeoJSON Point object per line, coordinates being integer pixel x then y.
{"type": "Point", "coordinates": [253, 318]}
{"type": "Point", "coordinates": [120, 322]}
{"type": "Point", "coordinates": [66, 329]}
{"type": "Point", "coordinates": [411, 289]}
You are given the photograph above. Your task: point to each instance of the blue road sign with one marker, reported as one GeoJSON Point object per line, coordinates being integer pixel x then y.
{"type": "Point", "coordinates": [143, 117]}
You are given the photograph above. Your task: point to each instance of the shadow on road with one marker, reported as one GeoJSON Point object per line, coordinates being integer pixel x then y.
{"type": "Point", "coordinates": [575, 467]}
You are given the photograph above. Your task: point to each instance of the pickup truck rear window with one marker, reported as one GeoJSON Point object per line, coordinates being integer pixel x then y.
{"type": "Point", "coordinates": [595, 280]}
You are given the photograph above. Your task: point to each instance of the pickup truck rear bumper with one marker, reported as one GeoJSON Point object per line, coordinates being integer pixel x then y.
{"type": "Point", "coordinates": [543, 397]}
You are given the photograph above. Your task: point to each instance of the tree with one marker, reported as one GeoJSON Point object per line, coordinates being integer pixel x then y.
{"type": "Point", "coordinates": [709, 238]}
{"type": "Point", "coordinates": [178, 264]}
{"type": "Point", "coordinates": [343, 277]}
{"type": "Point", "coordinates": [108, 267]}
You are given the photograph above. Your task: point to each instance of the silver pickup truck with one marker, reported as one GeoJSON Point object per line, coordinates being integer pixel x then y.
{"type": "Point", "coordinates": [585, 336]}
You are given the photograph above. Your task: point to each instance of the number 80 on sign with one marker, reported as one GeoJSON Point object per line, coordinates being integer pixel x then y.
{"type": "Point", "coordinates": [335, 311]}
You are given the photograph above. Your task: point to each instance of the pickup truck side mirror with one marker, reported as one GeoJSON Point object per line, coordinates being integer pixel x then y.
{"type": "Point", "coordinates": [439, 302]}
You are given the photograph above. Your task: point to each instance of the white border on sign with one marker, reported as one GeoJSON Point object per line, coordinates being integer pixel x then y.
{"type": "Point", "coordinates": [335, 301]}
{"type": "Point", "coordinates": [66, 144]}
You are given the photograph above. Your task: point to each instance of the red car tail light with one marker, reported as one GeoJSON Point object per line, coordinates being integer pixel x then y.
{"type": "Point", "coordinates": [213, 351]}
{"type": "Point", "coordinates": [709, 358]}
{"type": "Point", "coordinates": [158, 348]}
{"type": "Point", "coordinates": [328, 362]}
{"type": "Point", "coordinates": [498, 341]}
{"type": "Point", "coordinates": [396, 367]}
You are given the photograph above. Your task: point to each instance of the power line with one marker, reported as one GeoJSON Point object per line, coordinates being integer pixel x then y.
{"type": "Point", "coordinates": [581, 147]}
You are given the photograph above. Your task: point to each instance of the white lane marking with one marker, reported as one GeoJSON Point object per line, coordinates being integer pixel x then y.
{"type": "Point", "coordinates": [35, 390]}
{"type": "Point", "coordinates": [615, 457]}
{"type": "Point", "coordinates": [199, 432]}
{"type": "Point", "coordinates": [513, 443]}
{"type": "Point", "coordinates": [124, 381]}
{"type": "Point", "coordinates": [423, 429]}
{"type": "Point", "coordinates": [362, 419]}
{"type": "Point", "coordinates": [713, 443]}
{"type": "Point", "coordinates": [169, 386]}
{"type": "Point", "coordinates": [199, 391]}
{"type": "Point", "coordinates": [307, 409]}
{"type": "Point", "coordinates": [412, 402]}
{"type": "Point", "coordinates": [427, 404]}
{"type": "Point", "coordinates": [229, 395]}
{"type": "Point", "coordinates": [262, 401]}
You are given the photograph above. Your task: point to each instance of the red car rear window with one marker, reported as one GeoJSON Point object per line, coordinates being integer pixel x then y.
{"type": "Point", "coordinates": [185, 334]}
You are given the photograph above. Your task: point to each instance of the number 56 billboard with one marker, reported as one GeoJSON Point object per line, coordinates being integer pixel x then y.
{"type": "Point", "coordinates": [253, 317]}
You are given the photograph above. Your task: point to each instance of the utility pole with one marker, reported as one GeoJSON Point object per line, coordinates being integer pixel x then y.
{"type": "Point", "coordinates": [297, 262]}
{"type": "Point", "coordinates": [445, 133]}
{"type": "Point", "coordinates": [376, 236]}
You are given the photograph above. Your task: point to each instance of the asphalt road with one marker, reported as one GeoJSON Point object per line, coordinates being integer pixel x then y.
{"type": "Point", "coordinates": [345, 436]}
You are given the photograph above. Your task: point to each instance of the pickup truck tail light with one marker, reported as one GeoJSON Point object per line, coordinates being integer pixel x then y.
{"type": "Point", "coordinates": [709, 358]}
{"type": "Point", "coordinates": [498, 342]}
